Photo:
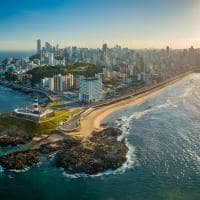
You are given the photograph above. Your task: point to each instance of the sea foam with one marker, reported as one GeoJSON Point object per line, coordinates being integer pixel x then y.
{"type": "Point", "coordinates": [1, 169]}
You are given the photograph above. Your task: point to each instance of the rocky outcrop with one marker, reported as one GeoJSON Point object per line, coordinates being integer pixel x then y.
{"type": "Point", "coordinates": [98, 153]}
{"type": "Point", "coordinates": [101, 152]}
{"type": "Point", "coordinates": [20, 160]}
{"type": "Point", "coordinates": [52, 147]}
{"type": "Point", "coordinates": [8, 140]}
{"type": "Point", "coordinates": [49, 148]}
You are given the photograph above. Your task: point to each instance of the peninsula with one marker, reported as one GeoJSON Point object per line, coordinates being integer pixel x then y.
{"type": "Point", "coordinates": [90, 149]}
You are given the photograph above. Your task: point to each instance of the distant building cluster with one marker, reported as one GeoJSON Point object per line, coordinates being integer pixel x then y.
{"type": "Point", "coordinates": [121, 68]}
{"type": "Point", "coordinates": [58, 83]}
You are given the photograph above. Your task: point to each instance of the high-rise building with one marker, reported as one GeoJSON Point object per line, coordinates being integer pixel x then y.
{"type": "Point", "coordinates": [90, 90]}
{"type": "Point", "coordinates": [48, 47]}
{"type": "Point", "coordinates": [105, 48]}
{"type": "Point", "coordinates": [58, 86]}
{"type": "Point", "coordinates": [48, 83]}
{"type": "Point", "coordinates": [51, 59]}
{"type": "Point", "coordinates": [39, 46]}
{"type": "Point", "coordinates": [167, 49]}
{"type": "Point", "coordinates": [78, 81]}
{"type": "Point", "coordinates": [68, 82]}
{"type": "Point", "coordinates": [51, 84]}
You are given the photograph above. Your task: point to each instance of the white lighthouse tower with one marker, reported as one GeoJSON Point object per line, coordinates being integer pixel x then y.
{"type": "Point", "coordinates": [36, 106]}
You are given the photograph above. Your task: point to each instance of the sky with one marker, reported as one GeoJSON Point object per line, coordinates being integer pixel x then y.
{"type": "Point", "coordinates": [90, 23]}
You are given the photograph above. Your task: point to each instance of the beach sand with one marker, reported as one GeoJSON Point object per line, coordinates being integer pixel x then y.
{"type": "Point", "coordinates": [92, 121]}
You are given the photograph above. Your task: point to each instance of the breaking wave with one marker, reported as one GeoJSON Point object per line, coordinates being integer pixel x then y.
{"type": "Point", "coordinates": [1, 169]}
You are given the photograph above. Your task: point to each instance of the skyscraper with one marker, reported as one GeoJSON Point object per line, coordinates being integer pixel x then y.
{"type": "Point", "coordinates": [58, 83]}
{"type": "Point", "coordinates": [39, 46]}
{"type": "Point", "coordinates": [51, 59]}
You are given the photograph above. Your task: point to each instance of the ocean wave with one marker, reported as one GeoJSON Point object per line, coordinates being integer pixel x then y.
{"type": "Point", "coordinates": [1, 169]}
{"type": "Point", "coordinates": [19, 171]}
{"type": "Point", "coordinates": [124, 122]}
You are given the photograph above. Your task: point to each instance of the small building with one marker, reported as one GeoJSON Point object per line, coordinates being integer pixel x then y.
{"type": "Point", "coordinates": [141, 76]}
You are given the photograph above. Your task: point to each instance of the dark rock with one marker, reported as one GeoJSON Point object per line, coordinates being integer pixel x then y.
{"type": "Point", "coordinates": [99, 153]}
{"type": "Point", "coordinates": [51, 147]}
{"type": "Point", "coordinates": [20, 160]}
{"type": "Point", "coordinates": [7, 140]}
{"type": "Point", "coordinates": [70, 142]}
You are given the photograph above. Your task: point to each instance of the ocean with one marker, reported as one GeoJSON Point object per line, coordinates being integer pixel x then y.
{"type": "Point", "coordinates": [11, 99]}
{"type": "Point", "coordinates": [15, 54]}
{"type": "Point", "coordinates": [163, 136]}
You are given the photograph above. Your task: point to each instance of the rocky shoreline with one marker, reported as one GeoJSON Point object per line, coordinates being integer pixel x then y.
{"type": "Point", "coordinates": [98, 153]}
{"type": "Point", "coordinates": [20, 160]}
{"type": "Point", "coordinates": [8, 140]}
{"type": "Point", "coordinates": [101, 152]}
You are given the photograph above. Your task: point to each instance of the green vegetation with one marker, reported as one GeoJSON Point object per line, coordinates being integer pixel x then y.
{"type": "Point", "coordinates": [10, 76]}
{"type": "Point", "coordinates": [85, 69]}
{"type": "Point", "coordinates": [59, 57]}
{"type": "Point", "coordinates": [112, 81]}
{"type": "Point", "coordinates": [53, 122]}
{"type": "Point", "coordinates": [47, 125]}
{"type": "Point", "coordinates": [13, 125]}
{"type": "Point", "coordinates": [36, 56]}
{"type": "Point", "coordinates": [75, 112]}
{"type": "Point", "coordinates": [46, 71]}
{"type": "Point", "coordinates": [55, 105]}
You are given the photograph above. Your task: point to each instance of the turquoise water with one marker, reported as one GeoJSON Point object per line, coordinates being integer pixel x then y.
{"type": "Point", "coordinates": [163, 135]}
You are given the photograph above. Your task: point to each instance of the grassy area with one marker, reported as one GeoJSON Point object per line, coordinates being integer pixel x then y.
{"type": "Point", "coordinates": [45, 126]}
{"type": "Point", "coordinates": [75, 112]}
{"type": "Point", "coordinates": [53, 122]}
{"type": "Point", "coordinates": [55, 105]}
{"type": "Point", "coordinates": [13, 125]}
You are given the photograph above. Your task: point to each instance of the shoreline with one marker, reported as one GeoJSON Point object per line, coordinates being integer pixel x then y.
{"type": "Point", "coordinates": [24, 89]}
{"type": "Point", "coordinates": [93, 120]}
{"type": "Point", "coordinates": [94, 145]}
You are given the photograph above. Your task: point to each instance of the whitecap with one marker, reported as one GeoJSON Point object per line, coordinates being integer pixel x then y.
{"type": "Point", "coordinates": [19, 171]}
{"type": "Point", "coordinates": [1, 169]}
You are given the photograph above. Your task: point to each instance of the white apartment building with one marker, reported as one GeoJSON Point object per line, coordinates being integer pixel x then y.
{"type": "Point", "coordinates": [90, 90]}
{"type": "Point", "coordinates": [58, 83]}
{"type": "Point", "coordinates": [48, 83]}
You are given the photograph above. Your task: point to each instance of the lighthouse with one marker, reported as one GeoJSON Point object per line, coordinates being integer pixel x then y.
{"type": "Point", "coordinates": [36, 106]}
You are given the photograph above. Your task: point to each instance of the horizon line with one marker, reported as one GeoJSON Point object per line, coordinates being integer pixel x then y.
{"type": "Point", "coordinates": [123, 47]}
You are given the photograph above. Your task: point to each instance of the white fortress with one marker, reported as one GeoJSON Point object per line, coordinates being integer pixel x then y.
{"type": "Point", "coordinates": [33, 113]}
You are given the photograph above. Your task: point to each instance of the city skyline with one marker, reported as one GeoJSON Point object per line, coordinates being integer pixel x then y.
{"type": "Point", "coordinates": [87, 23]}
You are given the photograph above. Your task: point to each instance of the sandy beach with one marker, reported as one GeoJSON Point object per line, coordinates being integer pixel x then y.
{"type": "Point", "coordinates": [92, 121]}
